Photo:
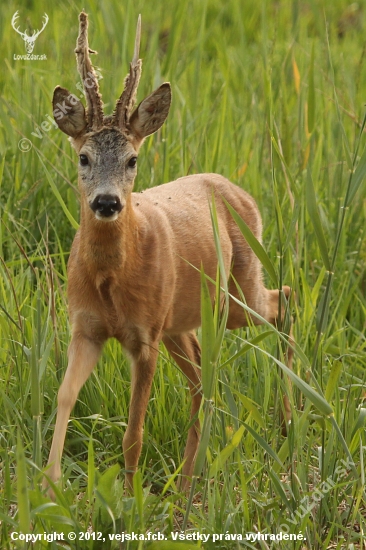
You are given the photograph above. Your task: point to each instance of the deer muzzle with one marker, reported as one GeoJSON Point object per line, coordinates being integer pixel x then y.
{"type": "Point", "coordinates": [106, 206]}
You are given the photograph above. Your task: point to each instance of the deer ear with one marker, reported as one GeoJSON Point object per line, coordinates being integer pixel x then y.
{"type": "Point", "coordinates": [150, 115]}
{"type": "Point", "coordinates": [68, 112]}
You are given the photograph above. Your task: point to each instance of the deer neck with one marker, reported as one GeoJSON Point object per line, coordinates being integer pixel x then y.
{"type": "Point", "coordinates": [108, 247]}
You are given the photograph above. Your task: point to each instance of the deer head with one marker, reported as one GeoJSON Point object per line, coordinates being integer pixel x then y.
{"type": "Point", "coordinates": [29, 40]}
{"type": "Point", "coordinates": [108, 145]}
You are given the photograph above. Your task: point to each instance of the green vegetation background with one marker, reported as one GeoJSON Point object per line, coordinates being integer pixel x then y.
{"type": "Point", "coordinates": [271, 95]}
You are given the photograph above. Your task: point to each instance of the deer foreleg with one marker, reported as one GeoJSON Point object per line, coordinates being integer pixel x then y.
{"type": "Point", "coordinates": [83, 356]}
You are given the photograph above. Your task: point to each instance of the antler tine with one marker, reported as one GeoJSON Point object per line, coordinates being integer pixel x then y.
{"type": "Point", "coordinates": [14, 21]}
{"type": "Point", "coordinates": [127, 99]}
{"type": "Point", "coordinates": [87, 74]}
{"type": "Point", "coordinates": [136, 53]}
{"type": "Point", "coordinates": [45, 21]}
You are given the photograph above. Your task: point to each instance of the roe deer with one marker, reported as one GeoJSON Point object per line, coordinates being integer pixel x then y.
{"type": "Point", "coordinates": [131, 272]}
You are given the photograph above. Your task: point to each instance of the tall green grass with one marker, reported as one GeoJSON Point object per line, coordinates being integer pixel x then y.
{"type": "Point", "coordinates": [271, 95]}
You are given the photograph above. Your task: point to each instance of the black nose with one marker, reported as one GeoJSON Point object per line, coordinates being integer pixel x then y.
{"type": "Point", "coordinates": [106, 205]}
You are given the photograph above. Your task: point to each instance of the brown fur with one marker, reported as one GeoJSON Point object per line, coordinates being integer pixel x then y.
{"type": "Point", "coordinates": [132, 275]}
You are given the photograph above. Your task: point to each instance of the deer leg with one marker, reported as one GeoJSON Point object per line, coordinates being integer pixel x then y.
{"type": "Point", "coordinates": [272, 316]}
{"type": "Point", "coordinates": [83, 356]}
{"type": "Point", "coordinates": [264, 302]}
{"type": "Point", "coordinates": [143, 370]}
{"type": "Point", "coordinates": [186, 352]}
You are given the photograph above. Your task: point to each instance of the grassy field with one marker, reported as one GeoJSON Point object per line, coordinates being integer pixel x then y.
{"type": "Point", "coordinates": [271, 95]}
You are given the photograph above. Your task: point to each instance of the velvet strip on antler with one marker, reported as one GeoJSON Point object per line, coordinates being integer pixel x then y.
{"type": "Point", "coordinates": [127, 100]}
{"type": "Point", "coordinates": [88, 76]}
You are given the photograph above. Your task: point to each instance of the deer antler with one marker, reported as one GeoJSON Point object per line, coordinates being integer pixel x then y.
{"type": "Point", "coordinates": [127, 99]}
{"type": "Point", "coordinates": [37, 33]}
{"type": "Point", "coordinates": [87, 74]}
{"type": "Point", "coordinates": [13, 21]}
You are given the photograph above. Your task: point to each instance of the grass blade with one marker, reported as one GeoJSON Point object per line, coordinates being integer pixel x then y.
{"type": "Point", "coordinates": [223, 456]}
{"type": "Point", "coordinates": [315, 220]}
{"type": "Point", "coordinates": [91, 469]}
{"type": "Point", "coordinates": [357, 178]}
{"type": "Point", "coordinates": [333, 379]}
{"type": "Point", "coordinates": [22, 488]}
{"type": "Point", "coordinates": [318, 400]}
{"type": "Point", "coordinates": [263, 444]}
{"type": "Point", "coordinates": [208, 339]}
{"type": "Point", "coordinates": [56, 192]}
{"type": "Point", "coordinates": [205, 437]}
{"type": "Point", "coordinates": [254, 244]}
{"type": "Point", "coordinates": [311, 94]}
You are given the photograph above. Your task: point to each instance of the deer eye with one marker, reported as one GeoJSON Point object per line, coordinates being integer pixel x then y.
{"type": "Point", "coordinates": [84, 161]}
{"type": "Point", "coordinates": [132, 162]}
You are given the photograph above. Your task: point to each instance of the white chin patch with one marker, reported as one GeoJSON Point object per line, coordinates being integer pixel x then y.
{"type": "Point", "coordinates": [105, 218]}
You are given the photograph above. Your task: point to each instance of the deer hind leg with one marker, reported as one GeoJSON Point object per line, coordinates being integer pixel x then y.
{"type": "Point", "coordinates": [273, 317]}
{"type": "Point", "coordinates": [143, 369]}
{"type": "Point", "coordinates": [83, 356]}
{"type": "Point", "coordinates": [186, 352]}
{"type": "Point", "coordinates": [265, 302]}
